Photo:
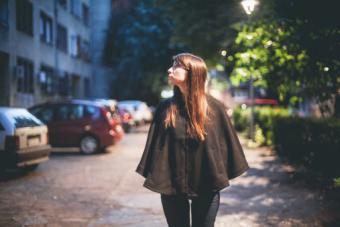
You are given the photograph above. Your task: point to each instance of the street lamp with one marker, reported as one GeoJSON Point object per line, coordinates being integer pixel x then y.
{"type": "Point", "coordinates": [249, 6]}
{"type": "Point", "coordinates": [224, 54]}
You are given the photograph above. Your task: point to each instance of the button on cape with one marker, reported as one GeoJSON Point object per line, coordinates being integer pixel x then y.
{"type": "Point", "coordinates": [174, 164]}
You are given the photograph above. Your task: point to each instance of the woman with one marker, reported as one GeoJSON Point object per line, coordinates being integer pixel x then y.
{"type": "Point", "coordinates": [192, 150]}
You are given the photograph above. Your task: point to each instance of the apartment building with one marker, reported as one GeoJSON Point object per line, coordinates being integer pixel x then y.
{"type": "Point", "coordinates": [44, 51]}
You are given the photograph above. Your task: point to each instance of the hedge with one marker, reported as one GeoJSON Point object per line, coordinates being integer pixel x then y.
{"type": "Point", "coordinates": [263, 117]}
{"type": "Point", "coordinates": [314, 143]}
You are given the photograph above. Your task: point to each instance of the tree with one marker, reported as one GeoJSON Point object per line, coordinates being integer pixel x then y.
{"type": "Point", "coordinates": [302, 60]}
{"type": "Point", "coordinates": [140, 51]}
{"type": "Point", "coordinates": [294, 52]}
{"type": "Point", "coordinates": [202, 25]}
{"type": "Point", "coordinates": [267, 50]}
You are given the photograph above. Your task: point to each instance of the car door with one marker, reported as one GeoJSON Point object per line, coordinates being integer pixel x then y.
{"type": "Point", "coordinates": [62, 125]}
{"type": "Point", "coordinates": [47, 115]}
{"type": "Point", "coordinates": [77, 123]}
{"type": "Point", "coordinates": [69, 124]}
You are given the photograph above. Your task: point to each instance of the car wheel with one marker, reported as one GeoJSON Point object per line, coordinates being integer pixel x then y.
{"type": "Point", "coordinates": [89, 145]}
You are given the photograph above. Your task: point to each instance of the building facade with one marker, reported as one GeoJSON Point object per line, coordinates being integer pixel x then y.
{"type": "Point", "coordinates": [100, 24]}
{"type": "Point", "coordinates": [44, 51]}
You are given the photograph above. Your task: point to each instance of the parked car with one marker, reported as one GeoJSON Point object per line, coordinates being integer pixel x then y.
{"type": "Point", "coordinates": [123, 114]}
{"type": "Point", "coordinates": [140, 111]}
{"type": "Point", "coordinates": [127, 119]}
{"type": "Point", "coordinates": [23, 139]}
{"type": "Point", "coordinates": [79, 123]}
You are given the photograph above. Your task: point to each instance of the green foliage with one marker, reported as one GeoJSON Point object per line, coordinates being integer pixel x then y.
{"type": "Point", "coordinates": [337, 182]}
{"type": "Point", "coordinates": [267, 51]}
{"type": "Point", "coordinates": [264, 117]}
{"type": "Point", "coordinates": [288, 50]}
{"type": "Point", "coordinates": [314, 143]}
{"type": "Point", "coordinates": [259, 136]}
{"type": "Point", "coordinates": [240, 119]}
{"type": "Point", "coordinates": [292, 52]}
{"type": "Point", "coordinates": [139, 50]}
{"type": "Point", "coordinates": [203, 25]}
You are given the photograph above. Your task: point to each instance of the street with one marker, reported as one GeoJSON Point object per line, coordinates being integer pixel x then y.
{"type": "Point", "coordinates": [72, 189]}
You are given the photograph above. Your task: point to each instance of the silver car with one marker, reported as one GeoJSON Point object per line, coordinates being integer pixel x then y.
{"type": "Point", "coordinates": [139, 110]}
{"type": "Point", "coordinates": [23, 139]}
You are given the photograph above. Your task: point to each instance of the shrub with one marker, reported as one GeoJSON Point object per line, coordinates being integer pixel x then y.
{"type": "Point", "coordinates": [314, 143]}
{"type": "Point", "coordinates": [263, 121]}
{"type": "Point", "coordinates": [264, 117]}
{"type": "Point", "coordinates": [241, 119]}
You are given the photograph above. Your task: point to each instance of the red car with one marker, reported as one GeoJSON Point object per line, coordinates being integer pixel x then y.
{"type": "Point", "coordinates": [79, 123]}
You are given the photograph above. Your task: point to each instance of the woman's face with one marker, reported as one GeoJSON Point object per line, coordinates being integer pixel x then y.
{"type": "Point", "coordinates": [177, 75]}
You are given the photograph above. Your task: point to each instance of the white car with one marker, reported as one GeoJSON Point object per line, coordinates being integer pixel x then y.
{"type": "Point", "coordinates": [139, 110]}
{"type": "Point", "coordinates": [23, 139]}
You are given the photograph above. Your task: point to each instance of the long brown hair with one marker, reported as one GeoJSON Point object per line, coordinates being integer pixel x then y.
{"type": "Point", "coordinates": [195, 101]}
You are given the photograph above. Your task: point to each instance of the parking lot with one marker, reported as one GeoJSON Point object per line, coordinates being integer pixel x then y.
{"type": "Point", "coordinates": [72, 189]}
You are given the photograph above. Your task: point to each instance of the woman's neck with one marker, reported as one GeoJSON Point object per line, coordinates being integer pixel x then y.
{"type": "Point", "coordinates": [183, 91]}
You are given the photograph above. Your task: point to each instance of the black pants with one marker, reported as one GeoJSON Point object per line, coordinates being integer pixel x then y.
{"type": "Point", "coordinates": [203, 210]}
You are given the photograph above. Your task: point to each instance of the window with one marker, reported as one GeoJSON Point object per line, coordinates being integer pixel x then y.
{"type": "Point", "coordinates": [79, 48]}
{"type": "Point", "coordinates": [4, 13]}
{"type": "Point", "coordinates": [24, 16]}
{"type": "Point", "coordinates": [25, 121]}
{"type": "Point", "coordinates": [75, 88]}
{"type": "Point", "coordinates": [63, 3]}
{"type": "Point", "coordinates": [61, 38]}
{"type": "Point", "coordinates": [85, 16]}
{"type": "Point", "coordinates": [70, 112]}
{"type": "Point", "coordinates": [76, 112]}
{"type": "Point", "coordinates": [76, 8]}
{"type": "Point", "coordinates": [25, 80]}
{"type": "Point", "coordinates": [86, 87]}
{"type": "Point", "coordinates": [64, 84]}
{"type": "Point", "coordinates": [47, 79]}
{"type": "Point", "coordinates": [46, 29]}
{"type": "Point", "coordinates": [62, 113]}
{"type": "Point", "coordinates": [44, 114]}
{"type": "Point", "coordinates": [92, 111]}
{"type": "Point", "coordinates": [4, 83]}
{"type": "Point", "coordinates": [75, 45]}
{"type": "Point", "coordinates": [85, 50]}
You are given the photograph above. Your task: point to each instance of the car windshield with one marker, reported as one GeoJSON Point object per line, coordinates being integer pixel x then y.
{"type": "Point", "coordinates": [23, 119]}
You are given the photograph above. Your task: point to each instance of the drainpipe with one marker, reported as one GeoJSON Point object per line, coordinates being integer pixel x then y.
{"type": "Point", "coordinates": [56, 60]}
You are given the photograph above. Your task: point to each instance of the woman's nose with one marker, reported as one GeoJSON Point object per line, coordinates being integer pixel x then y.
{"type": "Point", "coordinates": [170, 70]}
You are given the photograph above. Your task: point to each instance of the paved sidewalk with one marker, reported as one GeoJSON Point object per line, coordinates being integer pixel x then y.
{"type": "Point", "coordinates": [269, 195]}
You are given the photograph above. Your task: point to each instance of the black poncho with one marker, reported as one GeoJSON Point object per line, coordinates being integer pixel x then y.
{"type": "Point", "coordinates": [174, 164]}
